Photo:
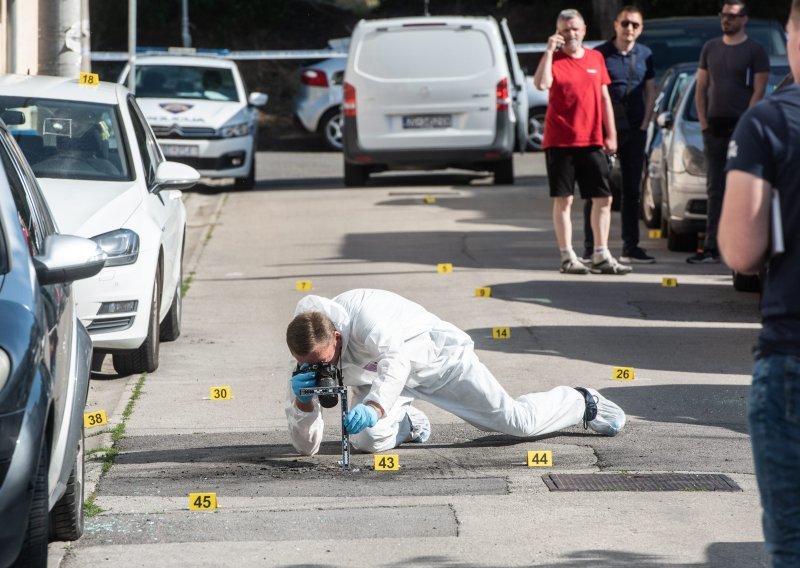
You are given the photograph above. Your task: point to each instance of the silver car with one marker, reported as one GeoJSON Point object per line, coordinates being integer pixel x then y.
{"type": "Point", "coordinates": [683, 176]}
{"type": "Point", "coordinates": [318, 103]}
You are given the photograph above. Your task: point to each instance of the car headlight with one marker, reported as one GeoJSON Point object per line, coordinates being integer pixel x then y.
{"type": "Point", "coordinates": [233, 130]}
{"type": "Point", "coordinates": [121, 246]}
{"type": "Point", "coordinates": [694, 161]}
{"type": "Point", "coordinates": [5, 368]}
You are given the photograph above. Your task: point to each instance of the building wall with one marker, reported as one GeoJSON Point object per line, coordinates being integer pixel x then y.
{"type": "Point", "coordinates": [19, 33]}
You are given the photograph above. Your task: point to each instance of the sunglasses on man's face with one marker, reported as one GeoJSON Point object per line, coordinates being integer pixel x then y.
{"type": "Point", "coordinates": [727, 16]}
{"type": "Point", "coordinates": [626, 23]}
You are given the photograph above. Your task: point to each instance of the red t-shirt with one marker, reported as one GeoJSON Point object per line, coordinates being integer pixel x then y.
{"type": "Point", "coordinates": [575, 108]}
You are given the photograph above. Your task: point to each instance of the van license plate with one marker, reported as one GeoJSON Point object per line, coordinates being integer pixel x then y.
{"type": "Point", "coordinates": [428, 121]}
{"type": "Point", "coordinates": [179, 150]}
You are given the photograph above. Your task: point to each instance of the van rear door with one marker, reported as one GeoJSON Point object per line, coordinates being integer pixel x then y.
{"type": "Point", "coordinates": [427, 85]}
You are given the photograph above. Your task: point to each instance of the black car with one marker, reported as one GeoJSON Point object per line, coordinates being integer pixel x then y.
{"type": "Point", "coordinates": [45, 355]}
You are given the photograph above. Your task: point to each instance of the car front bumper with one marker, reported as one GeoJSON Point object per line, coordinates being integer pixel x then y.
{"type": "Point", "coordinates": [214, 158]}
{"type": "Point", "coordinates": [687, 202]}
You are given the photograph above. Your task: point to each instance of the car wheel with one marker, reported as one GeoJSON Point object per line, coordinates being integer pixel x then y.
{"type": "Point", "coordinates": [746, 282]}
{"type": "Point", "coordinates": [536, 128]}
{"type": "Point", "coordinates": [330, 128]}
{"type": "Point", "coordinates": [651, 211]}
{"type": "Point", "coordinates": [355, 176]}
{"type": "Point", "coordinates": [98, 357]}
{"type": "Point", "coordinates": [66, 518]}
{"type": "Point", "coordinates": [504, 172]}
{"type": "Point", "coordinates": [145, 358]}
{"type": "Point", "coordinates": [681, 242]}
{"type": "Point", "coordinates": [34, 547]}
{"type": "Point", "coordinates": [248, 182]}
{"type": "Point", "coordinates": [171, 326]}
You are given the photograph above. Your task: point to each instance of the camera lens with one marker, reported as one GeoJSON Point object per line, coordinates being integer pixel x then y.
{"type": "Point", "coordinates": [328, 400]}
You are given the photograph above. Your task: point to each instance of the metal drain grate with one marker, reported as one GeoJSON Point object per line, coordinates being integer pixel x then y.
{"type": "Point", "coordinates": [643, 482]}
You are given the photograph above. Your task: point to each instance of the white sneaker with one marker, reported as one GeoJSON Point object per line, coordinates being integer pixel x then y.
{"type": "Point", "coordinates": [420, 425]}
{"type": "Point", "coordinates": [602, 415]}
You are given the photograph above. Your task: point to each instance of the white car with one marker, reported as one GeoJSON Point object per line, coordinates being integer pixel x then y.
{"type": "Point", "coordinates": [105, 178]}
{"type": "Point", "coordinates": [200, 113]}
{"type": "Point", "coordinates": [410, 103]}
{"type": "Point", "coordinates": [318, 104]}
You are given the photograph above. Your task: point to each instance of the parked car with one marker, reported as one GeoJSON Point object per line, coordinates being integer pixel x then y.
{"type": "Point", "coordinates": [318, 103]}
{"type": "Point", "coordinates": [200, 112]}
{"type": "Point", "coordinates": [670, 88]}
{"type": "Point", "coordinates": [105, 178]}
{"type": "Point", "coordinates": [45, 356]}
{"type": "Point", "coordinates": [409, 104]}
{"type": "Point", "coordinates": [683, 175]}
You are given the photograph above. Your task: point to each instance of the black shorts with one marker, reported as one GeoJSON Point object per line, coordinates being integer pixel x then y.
{"type": "Point", "coordinates": [586, 165]}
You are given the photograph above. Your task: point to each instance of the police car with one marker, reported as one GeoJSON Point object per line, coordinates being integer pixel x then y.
{"type": "Point", "coordinates": [198, 108]}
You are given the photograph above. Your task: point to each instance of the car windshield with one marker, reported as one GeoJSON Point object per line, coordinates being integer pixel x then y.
{"type": "Point", "coordinates": [68, 139]}
{"type": "Point", "coordinates": [185, 82]}
{"type": "Point", "coordinates": [776, 75]}
{"type": "Point", "coordinates": [679, 41]}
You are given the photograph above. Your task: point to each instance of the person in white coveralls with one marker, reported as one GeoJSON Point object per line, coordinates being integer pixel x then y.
{"type": "Point", "coordinates": [392, 351]}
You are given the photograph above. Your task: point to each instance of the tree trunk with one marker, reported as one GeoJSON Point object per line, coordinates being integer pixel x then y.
{"type": "Point", "coordinates": [603, 14]}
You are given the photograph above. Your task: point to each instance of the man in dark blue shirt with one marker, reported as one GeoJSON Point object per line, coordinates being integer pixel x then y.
{"type": "Point", "coordinates": [760, 220]}
{"type": "Point", "coordinates": [633, 92]}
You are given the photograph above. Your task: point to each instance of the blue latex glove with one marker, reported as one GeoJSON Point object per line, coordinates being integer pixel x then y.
{"type": "Point", "coordinates": [362, 416]}
{"type": "Point", "coordinates": [303, 381]}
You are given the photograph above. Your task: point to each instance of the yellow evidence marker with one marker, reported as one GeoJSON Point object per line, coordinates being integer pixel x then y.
{"type": "Point", "coordinates": [501, 333]}
{"type": "Point", "coordinates": [483, 292]}
{"type": "Point", "coordinates": [221, 393]}
{"type": "Point", "coordinates": [623, 374]}
{"type": "Point", "coordinates": [429, 200]}
{"type": "Point", "coordinates": [654, 234]}
{"type": "Point", "coordinates": [444, 268]}
{"type": "Point", "coordinates": [303, 285]}
{"type": "Point", "coordinates": [202, 501]}
{"type": "Point", "coordinates": [91, 79]}
{"type": "Point", "coordinates": [96, 418]}
{"type": "Point", "coordinates": [669, 282]}
{"type": "Point", "coordinates": [387, 462]}
{"type": "Point", "coordinates": [539, 458]}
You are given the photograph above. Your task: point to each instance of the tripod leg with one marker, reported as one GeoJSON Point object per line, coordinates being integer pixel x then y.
{"type": "Point", "coordinates": [345, 435]}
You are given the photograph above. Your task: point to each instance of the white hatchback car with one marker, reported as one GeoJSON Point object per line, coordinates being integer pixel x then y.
{"type": "Point", "coordinates": [200, 112]}
{"type": "Point", "coordinates": [105, 178]}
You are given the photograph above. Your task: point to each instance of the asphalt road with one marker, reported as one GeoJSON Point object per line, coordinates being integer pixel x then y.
{"type": "Point", "coordinates": [466, 498]}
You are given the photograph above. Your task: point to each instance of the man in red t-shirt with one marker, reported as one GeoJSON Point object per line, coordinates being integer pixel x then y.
{"type": "Point", "coordinates": [579, 131]}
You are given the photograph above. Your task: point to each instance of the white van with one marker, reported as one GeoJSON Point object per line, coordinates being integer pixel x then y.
{"type": "Point", "coordinates": [432, 93]}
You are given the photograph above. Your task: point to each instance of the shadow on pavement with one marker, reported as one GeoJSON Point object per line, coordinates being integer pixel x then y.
{"type": "Point", "coordinates": [691, 349]}
{"type": "Point", "coordinates": [722, 406]}
{"type": "Point", "coordinates": [718, 555]}
{"type": "Point", "coordinates": [638, 300]}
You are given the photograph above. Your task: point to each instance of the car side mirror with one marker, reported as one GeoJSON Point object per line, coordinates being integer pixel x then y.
{"type": "Point", "coordinates": [67, 258]}
{"type": "Point", "coordinates": [174, 175]}
{"type": "Point", "coordinates": [257, 99]}
{"type": "Point", "coordinates": [665, 120]}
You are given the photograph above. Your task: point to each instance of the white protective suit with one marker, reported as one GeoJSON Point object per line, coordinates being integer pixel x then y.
{"type": "Point", "coordinates": [395, 351]}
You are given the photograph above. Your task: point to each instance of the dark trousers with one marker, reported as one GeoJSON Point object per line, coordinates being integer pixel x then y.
{"type": "Point", "coordinates": [715, 149]}
{"type": "Point", "coordinates": [631, 162]}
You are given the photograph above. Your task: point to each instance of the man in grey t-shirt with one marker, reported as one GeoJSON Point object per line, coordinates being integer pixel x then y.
{"type": "Point", "coordinates": [731, 77]}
